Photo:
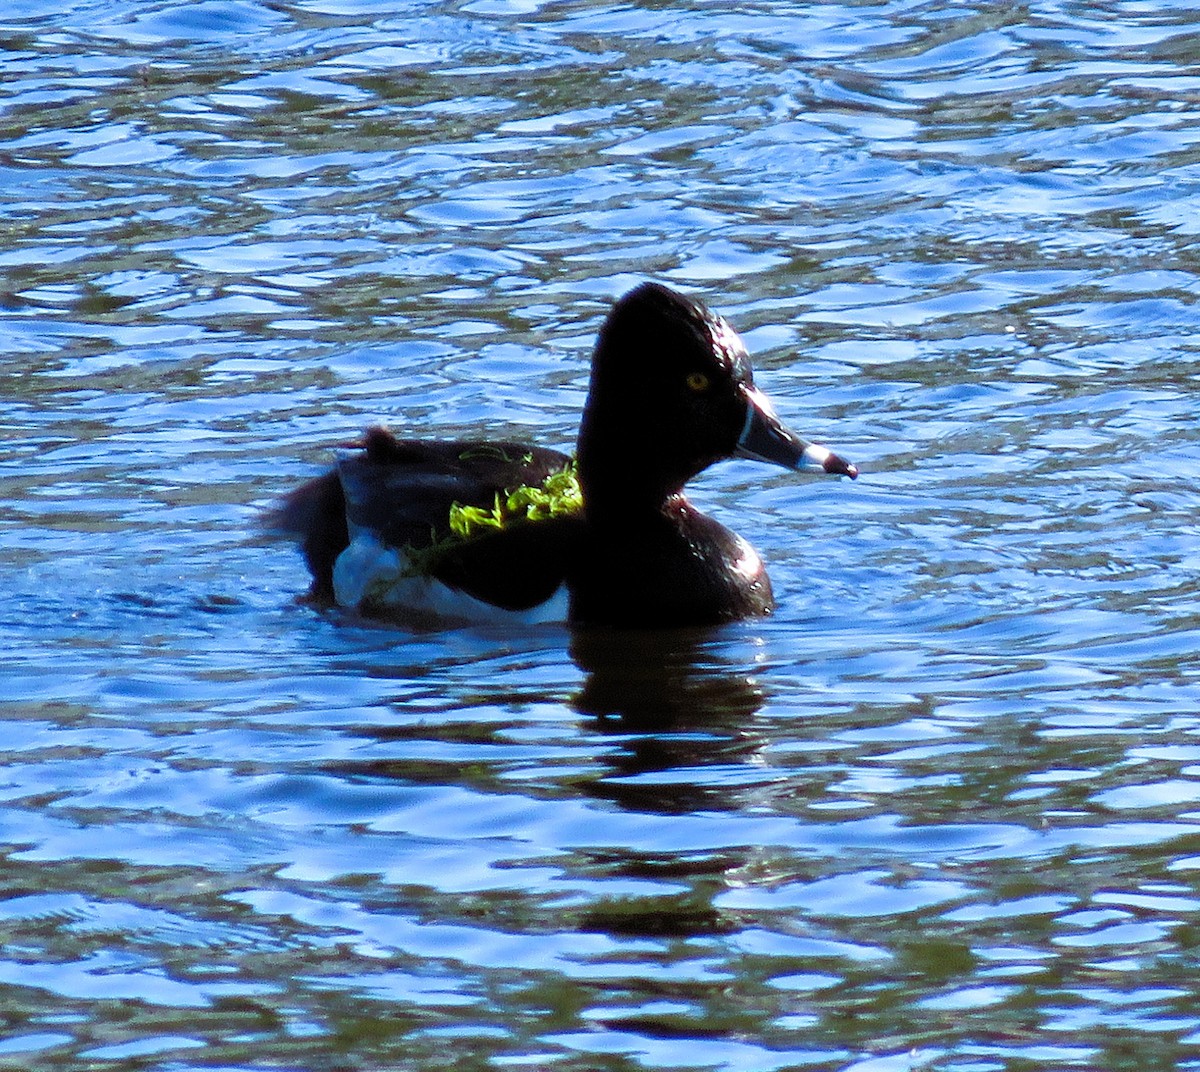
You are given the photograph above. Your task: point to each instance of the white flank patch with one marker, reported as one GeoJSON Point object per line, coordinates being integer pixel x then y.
{"type": "Point", "coordinates": [371, 573]}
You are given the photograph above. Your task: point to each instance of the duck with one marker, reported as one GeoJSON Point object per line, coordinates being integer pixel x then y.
{"type": "Point", "coordinates": [422, 531]}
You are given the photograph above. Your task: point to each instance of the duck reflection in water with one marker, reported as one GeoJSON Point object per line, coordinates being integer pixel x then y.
{"type": "Point", "coordinates": [680, 704]}
{"type": "Point", "coordinates": [658, 680]}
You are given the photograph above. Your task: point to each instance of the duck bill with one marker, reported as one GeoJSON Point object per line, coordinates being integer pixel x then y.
{"type": "Point", "coordinates": [764, 438]}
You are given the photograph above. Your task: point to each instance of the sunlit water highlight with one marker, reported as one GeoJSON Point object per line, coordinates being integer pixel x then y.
{"type": "Point", "coordinates": [942, 811]}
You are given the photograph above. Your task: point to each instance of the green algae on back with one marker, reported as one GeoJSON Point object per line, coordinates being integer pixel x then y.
{"type": "Point", "coordinates": [559, 494]}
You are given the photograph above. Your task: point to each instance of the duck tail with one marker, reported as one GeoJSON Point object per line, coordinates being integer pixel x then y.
{"type": "Point", "coordinates": [315, 513]}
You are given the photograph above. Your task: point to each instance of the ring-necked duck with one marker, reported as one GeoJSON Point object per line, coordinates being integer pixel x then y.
{"type": "Point", "coordinates": [410, 529]}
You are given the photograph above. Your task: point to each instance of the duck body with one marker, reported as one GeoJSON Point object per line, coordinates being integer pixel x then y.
{"type": "Point", "coordinates": [671, 392]}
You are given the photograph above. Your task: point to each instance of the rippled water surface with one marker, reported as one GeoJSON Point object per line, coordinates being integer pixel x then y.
{"type": "Point", "coordinates": [941, 811]}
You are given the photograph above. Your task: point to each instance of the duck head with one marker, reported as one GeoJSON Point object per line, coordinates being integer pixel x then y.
{"type": "Point", "coordinates": [672, 391]}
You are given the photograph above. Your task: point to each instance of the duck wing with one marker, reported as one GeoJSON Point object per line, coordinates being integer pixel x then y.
{"type": "Point", "coordinates": [515, 568]}
{"type": "Point", "coordinates": [401, 490]}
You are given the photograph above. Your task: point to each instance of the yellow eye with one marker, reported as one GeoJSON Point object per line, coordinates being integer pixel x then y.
{"type": "Point", "coordinates": [698, 381]}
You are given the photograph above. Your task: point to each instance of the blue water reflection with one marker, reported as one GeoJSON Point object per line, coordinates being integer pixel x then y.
{"type": "Point", "coordinates": [939, 812]}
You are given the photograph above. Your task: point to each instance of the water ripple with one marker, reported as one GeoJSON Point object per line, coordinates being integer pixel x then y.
{"type": "Point", "coordinates": [940, 811]}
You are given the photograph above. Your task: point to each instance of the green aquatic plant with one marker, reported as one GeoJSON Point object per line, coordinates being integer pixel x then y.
{"type": "Point", "coordinates": [557, 495]}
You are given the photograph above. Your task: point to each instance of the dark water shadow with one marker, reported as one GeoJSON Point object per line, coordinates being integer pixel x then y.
{"type": "Point", "coordinates": [654, 702]}
{"type": "Point", "coordinates": [646, 681]}
{"type": "Point", "coordinates": [679, 700]}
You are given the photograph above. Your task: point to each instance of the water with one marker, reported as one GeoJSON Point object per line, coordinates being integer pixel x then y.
{"type": "Point", "coordinates": [942, 811]}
